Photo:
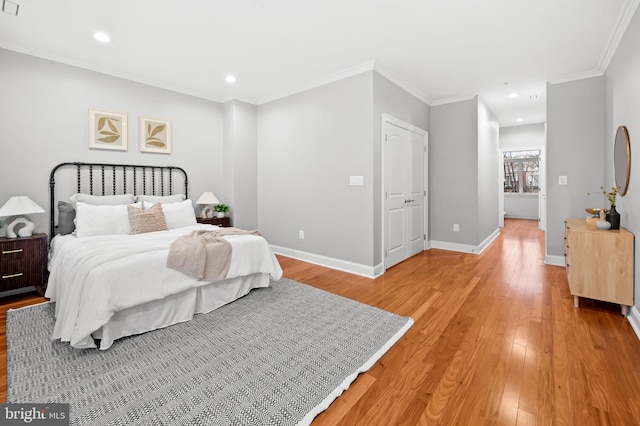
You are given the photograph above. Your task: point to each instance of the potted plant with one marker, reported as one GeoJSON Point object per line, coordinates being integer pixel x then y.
{"type": "Point", "coordinates": [221, 209]}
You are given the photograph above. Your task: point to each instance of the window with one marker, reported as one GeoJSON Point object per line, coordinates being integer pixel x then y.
{"type": "Point", "coordinates": [522, 171]}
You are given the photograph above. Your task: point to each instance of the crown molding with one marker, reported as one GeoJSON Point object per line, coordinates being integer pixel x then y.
{"type": "Point", "coordinates": [383, 71]}
{"type": "Point", "coordinates": [626, 14]}
{"type": "Point", "coordinates": [577, 76]}
{"type": "Point", "coordinates": [452, 100]}
{"type": "Point", "coordinates": [349, 72]}
{"type": "Point", "coordinates": [340, 75]}
{"type": "Point", "coordinates": [63, 60]}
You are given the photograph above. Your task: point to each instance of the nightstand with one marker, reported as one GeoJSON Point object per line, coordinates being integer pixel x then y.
{"type": "Point", "coordinates": [23, 263]}
{"type": "Point", "coordinates": [220, 221]}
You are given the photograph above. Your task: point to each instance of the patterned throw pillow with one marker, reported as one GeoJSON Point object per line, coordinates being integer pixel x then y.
{"type": "Point", "coordinates": [149, 220]}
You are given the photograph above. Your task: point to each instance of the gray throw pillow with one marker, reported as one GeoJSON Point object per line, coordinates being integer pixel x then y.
{"type": "Point", "coordinates": [66, 216]}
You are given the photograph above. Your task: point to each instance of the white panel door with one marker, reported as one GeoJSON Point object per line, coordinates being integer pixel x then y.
{"type": "Point", "coordinates": [404, 194]}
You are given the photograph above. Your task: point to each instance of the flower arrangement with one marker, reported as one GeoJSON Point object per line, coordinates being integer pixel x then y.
{"type": "Point", "coordinates": [610, 196]}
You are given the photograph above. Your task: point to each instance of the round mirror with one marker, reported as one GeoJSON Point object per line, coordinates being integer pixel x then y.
{"type": "Point", "coordinates": [622, 159]}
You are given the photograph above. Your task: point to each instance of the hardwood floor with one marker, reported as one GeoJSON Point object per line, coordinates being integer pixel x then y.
{"type": "Point", "coordinates": [496, 340]}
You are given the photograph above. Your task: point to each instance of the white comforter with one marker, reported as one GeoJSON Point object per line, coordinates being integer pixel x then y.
{"type": "Point", "coordinates": [91, 278]}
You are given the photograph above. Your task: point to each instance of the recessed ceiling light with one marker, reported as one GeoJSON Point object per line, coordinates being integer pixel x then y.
{"type": "Point", "coordinates": [513, 95]}
{"type": "Point", "coordinates": [520, 119]}
{"type": "Point", "coordinates": [230, 79]}
{"type": "Point", "coordinates": [102, 37]}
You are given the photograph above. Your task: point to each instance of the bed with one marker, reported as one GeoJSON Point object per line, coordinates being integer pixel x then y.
{"type": "Point", "coordinates": [108, 283]}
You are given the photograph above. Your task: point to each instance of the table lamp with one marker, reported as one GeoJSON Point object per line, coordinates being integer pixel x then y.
{"type": "Point", "coordinates": [208, 199]}
{"type": "Point", "coordinates": [18, 206]}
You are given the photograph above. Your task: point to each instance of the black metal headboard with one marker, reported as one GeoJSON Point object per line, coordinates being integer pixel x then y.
{"type": "Point", "coordinates": [120, 179]}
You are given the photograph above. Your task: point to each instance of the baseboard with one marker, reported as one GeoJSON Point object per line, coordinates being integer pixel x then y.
{"type": "Point", "coordinates": [487, 241]}
{"type": "Point", "coordinates": [554, 260]}
{"type": "Point", "coordinates": [521, 217]}
{"type": "Point", "coordinates": [462, 248]}
{"type": "Point", "coordinates": [634, 320]}
{"type": "Point", "coordinates": [465, 248]}
{"type": "Point", "coordinates": [330, 262]}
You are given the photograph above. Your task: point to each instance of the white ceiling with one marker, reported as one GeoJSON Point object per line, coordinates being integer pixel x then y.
{"type": "Point", "coordinates": [439, 50]}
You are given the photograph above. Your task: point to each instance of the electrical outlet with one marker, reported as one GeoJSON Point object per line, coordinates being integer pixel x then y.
{"type": "Point", "coordinates": [456, 227]}
{"type": "Point", "coordinates": [301, 234]}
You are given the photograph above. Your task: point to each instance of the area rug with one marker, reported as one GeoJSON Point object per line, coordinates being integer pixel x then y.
{"type": "Point", "coordinates": [278, 356]}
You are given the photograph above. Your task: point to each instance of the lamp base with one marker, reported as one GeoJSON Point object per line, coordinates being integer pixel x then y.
{"type": "Point", "coordinates": [25, 231]}
{"type": "Point", "coordinates": [207, 212]}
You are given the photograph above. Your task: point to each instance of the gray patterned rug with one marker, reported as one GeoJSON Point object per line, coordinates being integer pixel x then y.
{"type": "Point", "coordinates": [278, 356]}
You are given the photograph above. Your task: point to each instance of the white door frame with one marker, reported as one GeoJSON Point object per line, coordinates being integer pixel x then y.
{"type": "Point", "coordinates": [542, 194]}
{"type": "Point", "coordinates": [386, 118]}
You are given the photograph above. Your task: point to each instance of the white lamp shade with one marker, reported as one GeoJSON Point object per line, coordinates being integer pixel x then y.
{"type": "Point", "coordinates": [207, 198]}
{"type": "Point", "coordinates": [19, 205]}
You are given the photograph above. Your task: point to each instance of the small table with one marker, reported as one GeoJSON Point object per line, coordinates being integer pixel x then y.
{"type": "Point", "coordinates": [220, 221]}
{"type": "Point", "coordinates": [23, 263]}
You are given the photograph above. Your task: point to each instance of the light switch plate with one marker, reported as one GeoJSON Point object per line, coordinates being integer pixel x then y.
{"type": "Point", "coordinates": [562, 180]}
{"type": "Point", "coordinates": [356, 180]}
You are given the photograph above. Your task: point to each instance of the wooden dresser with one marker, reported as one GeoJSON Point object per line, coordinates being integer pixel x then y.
{"type": "Point", "coordinates": [599, 263]}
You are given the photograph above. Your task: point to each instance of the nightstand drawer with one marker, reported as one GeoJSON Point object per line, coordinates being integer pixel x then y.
{"type": "Point", "coordinates": [17, 278]}
{"type": "Point", "coordinates": [14, 250]}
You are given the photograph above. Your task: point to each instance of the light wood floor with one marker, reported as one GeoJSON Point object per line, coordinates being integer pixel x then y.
{"type": "Point", "coordinates": [496, 340]}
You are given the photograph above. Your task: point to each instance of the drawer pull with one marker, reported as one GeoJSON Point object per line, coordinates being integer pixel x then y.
{"type": "Point", "coordinates": [4, 277]}
{"type": "Point", "coordinates": [11, 251]}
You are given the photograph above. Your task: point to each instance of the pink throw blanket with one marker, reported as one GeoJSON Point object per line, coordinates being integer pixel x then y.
{"type": "Point", "coordinates": [204, 254]}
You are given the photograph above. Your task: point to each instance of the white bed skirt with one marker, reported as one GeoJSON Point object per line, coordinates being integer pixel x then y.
{"type": "Point", "coordinates": [177, 308]}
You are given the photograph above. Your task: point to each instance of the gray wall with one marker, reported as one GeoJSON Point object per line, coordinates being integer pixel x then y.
{"type": "Point", "coordinates": [521, 206]}
{"type": "Point", "coordinates": [517, 137]}
{"type": "Point", "coordinates": [575, 148]}
{"type": "Point", "coordinates": [44, 121]}
{"type": "Point", "coordinates": [488, 173]}
{"type": "Point", "coordinates": [240, 163]}
{"type": "Point", "coordinates": [453, 172]}
{"type": "Point", "coordinates": [308, 145]}
{"type": "Point", "coordinates": [389, 98]}
{"type": "Point", "coordinates": [623, 104]}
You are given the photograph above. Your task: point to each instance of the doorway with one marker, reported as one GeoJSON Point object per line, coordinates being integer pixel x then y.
{"type": "Point", "coordinates": [405, 205]}
{"type": "Point", "coordinates": [522, 186]}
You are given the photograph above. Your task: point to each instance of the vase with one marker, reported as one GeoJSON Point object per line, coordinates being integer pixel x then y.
{"type": "Point", "coordinates": [220, 214]}
{"type": "Point", "coordinates": [613, 217]}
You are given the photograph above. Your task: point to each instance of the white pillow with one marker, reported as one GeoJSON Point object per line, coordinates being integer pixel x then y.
{"type": "Point", "coordinates": [94, 220]}
{"type": "Point", "coordinates": [177, 215]}
{"type": "Point", "coordinates": [102, 200]}
{"type": "Point", "coordinates": [161, 198]}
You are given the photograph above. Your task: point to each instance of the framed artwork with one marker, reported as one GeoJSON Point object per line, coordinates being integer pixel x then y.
{"type": "Point", "coordinates": [155, 135]}
{"type": "Point", "coordinates": [107, 130]}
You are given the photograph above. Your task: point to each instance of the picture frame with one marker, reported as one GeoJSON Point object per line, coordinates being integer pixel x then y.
{"type": "Point", "coordinates": [155, 135]}
{"type": "Point", "coordinates": [108, 130]}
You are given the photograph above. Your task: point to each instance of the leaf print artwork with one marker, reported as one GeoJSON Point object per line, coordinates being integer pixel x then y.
{"type": "Point", "coordinates": [108, 136]}
{"type": "Point", "coordinates": [153, 139]}
{"type": "Point", "coordinates": [107, 129]}
{"type": "Point", "coordinates": [155, 135]}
